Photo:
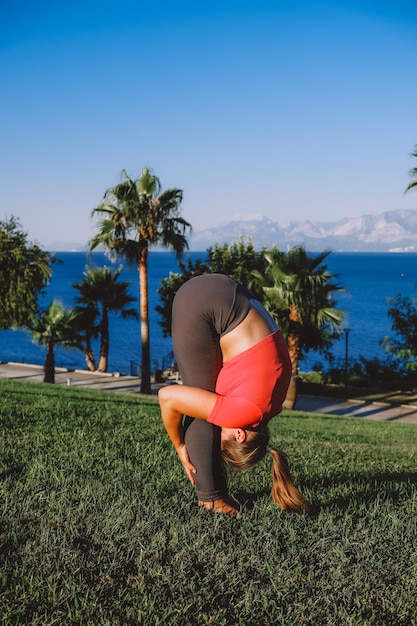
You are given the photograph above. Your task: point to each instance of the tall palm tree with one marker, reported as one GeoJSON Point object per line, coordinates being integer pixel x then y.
{"type": "Point", "coordinates": [100, 292]}
{"type": "Point", "coordinates": [138, 215]}
{"type": "Point", "coordinates": [298, 293]}
{"type": "Point", "coordinates": [413, 172]}
{"type": "Point", "coordinates": [55, 326]}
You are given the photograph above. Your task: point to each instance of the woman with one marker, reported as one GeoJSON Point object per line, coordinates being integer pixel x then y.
{"type": "Point", "coordinates": [235, 370]}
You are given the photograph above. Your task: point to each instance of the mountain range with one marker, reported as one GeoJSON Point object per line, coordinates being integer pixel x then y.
{"type": "Point", "coordinates": [392, 231]}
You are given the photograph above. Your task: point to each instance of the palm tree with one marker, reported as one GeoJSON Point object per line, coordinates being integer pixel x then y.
{"type": "Point", "coordinates": [100, 292]}
{"type": "Point", "coordinates": [298, 293]}
{"type": "Point", "coordinates": [413, 172]}
{"type": "Point", "coordinates": [138, 215]}
{"type": "Point", "coordinates": [88, 330]}
{"type": "Point", "coordinates": [55, 326]}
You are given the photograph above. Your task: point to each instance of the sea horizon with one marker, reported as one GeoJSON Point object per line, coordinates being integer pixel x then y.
{"type": "Point", "coordinates": [370, 278]}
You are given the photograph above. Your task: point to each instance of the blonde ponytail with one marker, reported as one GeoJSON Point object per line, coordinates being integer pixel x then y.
{"type": "Point", "coordinates": [284, 492]}
{"type": "Point", "coordinates": [245, 455]}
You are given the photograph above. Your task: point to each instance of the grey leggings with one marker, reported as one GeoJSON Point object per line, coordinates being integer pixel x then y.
{"type": "Point", "coordinates": [205, 308]}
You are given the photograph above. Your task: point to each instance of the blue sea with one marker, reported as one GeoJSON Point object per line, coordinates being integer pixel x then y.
{"type": "Point", "coordinates": [369, 280]}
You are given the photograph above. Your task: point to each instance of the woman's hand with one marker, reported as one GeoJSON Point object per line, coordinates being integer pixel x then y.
{"type": "Point", "coordinates": [186, 463]}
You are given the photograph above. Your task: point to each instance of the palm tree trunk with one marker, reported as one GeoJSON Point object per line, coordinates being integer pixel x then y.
{"type": "Point", "coordinates": [144, 322]}
{"type": "Point", "coordinates": [293, 344]}
{"type": "Point", "coordinates": [104, 343]}
{"type": "Point", "coordinates": [292, 392]}
{"type": "Point", "coordinates": [89, 357]}
{"type": "Point", "coordinates": [49, 367]}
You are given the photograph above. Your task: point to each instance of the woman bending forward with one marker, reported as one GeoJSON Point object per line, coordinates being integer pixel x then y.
{"type": "Point", "coordinates": [235, 370]}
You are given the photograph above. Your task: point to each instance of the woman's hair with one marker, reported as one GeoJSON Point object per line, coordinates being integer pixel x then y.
{"type": "Point", "coordinates": [245, 455]}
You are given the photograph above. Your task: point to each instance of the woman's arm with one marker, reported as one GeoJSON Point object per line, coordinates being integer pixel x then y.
{"type": "Point", "coordinates": [176, 401]}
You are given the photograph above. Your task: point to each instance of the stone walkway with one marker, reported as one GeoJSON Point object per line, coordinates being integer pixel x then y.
{"type": "Point", "coordinates": [381, 411]}
{"type": "Point", "coordinates": [78, 378]}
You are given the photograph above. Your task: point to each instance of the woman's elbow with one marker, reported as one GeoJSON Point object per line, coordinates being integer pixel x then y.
{"type": "Point", "coordinates": [165, 398]}
{"type": "Point", "coordinates": [162, 396]}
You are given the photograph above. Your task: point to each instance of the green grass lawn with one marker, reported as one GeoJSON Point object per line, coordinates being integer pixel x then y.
{"type": "Point", "coordinates": [99, 526]}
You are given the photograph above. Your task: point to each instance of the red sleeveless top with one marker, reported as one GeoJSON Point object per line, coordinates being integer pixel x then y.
{"type": "Point", "coordinates": [253, 385]}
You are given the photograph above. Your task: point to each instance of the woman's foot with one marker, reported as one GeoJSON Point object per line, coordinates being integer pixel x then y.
{"type": "Point", "coordinates": [226, 505]}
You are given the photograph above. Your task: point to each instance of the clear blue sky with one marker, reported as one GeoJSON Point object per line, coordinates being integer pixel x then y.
{"type": "Point", "coordinates": [291, 109]}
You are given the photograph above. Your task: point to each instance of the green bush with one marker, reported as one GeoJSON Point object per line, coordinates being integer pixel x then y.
{"type": "Point", "coordinates": [363, 372]}
{"type": "Point", "coordinates": [312, 377]}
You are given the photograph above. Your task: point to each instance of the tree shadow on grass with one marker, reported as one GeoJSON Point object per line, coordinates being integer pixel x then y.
{"type": "Point", "coordinates": [365, 488]}
{"type": "Point", "coordinates": [15, 472]}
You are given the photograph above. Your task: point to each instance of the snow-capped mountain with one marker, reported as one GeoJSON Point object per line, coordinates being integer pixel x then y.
{"type": "Point", "coordinates": [384, 232]}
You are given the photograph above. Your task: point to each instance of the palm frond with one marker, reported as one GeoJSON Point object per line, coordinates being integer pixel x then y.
{"type": "Point", "coordinates": [413, 173]}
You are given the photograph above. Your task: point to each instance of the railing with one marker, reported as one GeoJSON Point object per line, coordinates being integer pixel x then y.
{"type": "Point", "coordinates": [135, 369]}
{"type": "Point", "coordinates": [168, 371]}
